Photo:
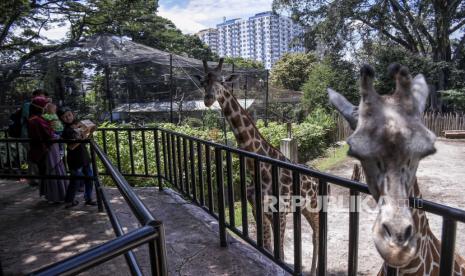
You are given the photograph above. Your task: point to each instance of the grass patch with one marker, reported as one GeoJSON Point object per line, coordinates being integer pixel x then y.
{"type": "Point", "coordinates": [332, 157]}
{"type": "Point", "coordinates": [238, 213]}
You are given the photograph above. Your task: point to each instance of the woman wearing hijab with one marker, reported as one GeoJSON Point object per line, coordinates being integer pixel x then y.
{"type": "Point", "coordinates": [46, 154]}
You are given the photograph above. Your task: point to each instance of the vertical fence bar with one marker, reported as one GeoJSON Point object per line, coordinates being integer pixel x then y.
{"type": "Point", "coordinates": [163, 144]}
{"type": "Point", "coordinates": [266, 97]}
{"type": "Point", "coordinates": [175, 172]}
{"type": "Point", "coordinates": [276, 214]}
{"type": "Point", "coordinates": [192, 162]}
{"type": "Point", "coordinates": [242, 179]}
{"type": "Point", "coordinates": [209, 178]}
{"type": "Point", "coordinates": [144, 150]}
{"type": "Point", "coordinates": [98, 188]}
{"type": "Point", "coordinates": [18, 157]}
{"type": "Point", "coordinates": [104, 141]}
{"type": "Point", "coordinates": [131, 154]}
{"type": "Point", "coordinates": [220, 189]}
{"type": "Point", "coordinates": [170, 158]}
{"type": "Point", "coordinates": [232, 221]}
{"type": "Point", "coordinates": [297, 214]}
{"type": "Point", "coordinates": [323, 220]}
{"type": "Point", "coordinates": [161, 250]}
{"type": "Point", "coordinates": [200, 172]}
{"type": "Point", "coordinates": [118, 157]}
{"type": "Point", "coordinates": [8, 157]}
{"type": "Point", "coordinates": [449, 229]}
{"type": "Point", "coordinates": [258, 203]}
{"type": "Point", "coordinates": [353, 232]}
{"type": "Point", "coordinates": [157, 159]}
{"type": "Point", "coordinates": [178, 149]}
{"type": "Point", "coordinates": [186, 166]}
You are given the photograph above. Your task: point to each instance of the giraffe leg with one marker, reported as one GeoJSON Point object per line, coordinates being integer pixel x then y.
{"type": "Point", "coordinates": [282, 226]}
{"type": "Point", "coordinates": [313, 220]}
{"type": "Point", "coordinates": [265, 221]}
{"type": "Point", "coordinates": [267, 224]}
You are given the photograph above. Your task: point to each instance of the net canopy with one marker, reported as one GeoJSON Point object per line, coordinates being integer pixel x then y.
{"type": "Point", "coordinates": [110, 50]}
{"type": "Point", "coordinates": [127, 77]}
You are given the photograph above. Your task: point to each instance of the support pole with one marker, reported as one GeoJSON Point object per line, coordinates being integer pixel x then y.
{"type": "Point", "coordinates": [108, 92]}
{"type": "Point", "coordinates": [266, 98]}
{"type": "Point", "coordinates": [171, 88]}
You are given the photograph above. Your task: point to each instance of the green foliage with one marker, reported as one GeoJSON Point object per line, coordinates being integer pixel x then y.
{"type": "Point", "coordinates": [292, 70]}
{"type": "Point", "coordinates": [329, 73]}
{"type": "Point", "coordinates": [455, 99]}
{"type": "Point", "coordinates": [211, 119]}
{"type": "Point", "coordinates": [312, 135]}
{"type": "Point", "coordinates": [314, 88]}
{"type": "Point", "coordinates": [243, 63]}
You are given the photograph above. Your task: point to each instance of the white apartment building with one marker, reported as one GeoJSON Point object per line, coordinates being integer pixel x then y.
{"type": "Point", "coordinates": [209, 37]}
{"type": "Point", "coordinates": [263, 37]}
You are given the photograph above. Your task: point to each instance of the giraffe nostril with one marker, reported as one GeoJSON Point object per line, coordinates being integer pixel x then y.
{"type": "Point", "coordinates": [408, 233]}
{"type": "Point", "coordinates": [386, 230]}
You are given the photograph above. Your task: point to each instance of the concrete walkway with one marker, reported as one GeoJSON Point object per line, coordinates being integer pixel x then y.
{"type": "Point", "coordinates": [34, 234]}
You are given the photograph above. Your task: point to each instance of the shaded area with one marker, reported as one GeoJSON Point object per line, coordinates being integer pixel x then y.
{"type": "Point", "coordinates": [34, 234]}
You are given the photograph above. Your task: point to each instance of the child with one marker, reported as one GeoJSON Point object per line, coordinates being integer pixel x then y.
{"type": "Point", "coordinates": [51, 117]}
{"type": "Point", "coordinates": [55, 124]}
{"type": "Point", "coordinates": [77, 158]}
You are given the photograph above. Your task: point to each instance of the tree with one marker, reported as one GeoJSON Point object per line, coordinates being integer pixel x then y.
{"type": "Point", "coordinates": [292, 70]}
{"type": "Point", "coordinates": [337, 74]}
{"type": "Point", "coordinates": [243, 63]}
{"type": "Point", "coordinates": [23, 22]}
{"type": "Point", "coordinates": [424, 27]}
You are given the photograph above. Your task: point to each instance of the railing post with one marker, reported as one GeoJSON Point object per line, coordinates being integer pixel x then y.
{"type": "Point", "coordinates": [157, 251]}
{"type": "Point", "coordinates": [258, 203]}
{"type": "Point", "coordinates": [98, 189]}
{"type": "Point", "coordinates": [323, 221]}
{"type": "Point", "coordinates": [157, 160]}
{"type": "Point", "coordinates": [296, 190]}
{"type": "Point", "coordinates": [449, 228]}
{"type": "Point", "coordinates": [220, 188]}
{"type": "Point", "coordinates": [353, 232]}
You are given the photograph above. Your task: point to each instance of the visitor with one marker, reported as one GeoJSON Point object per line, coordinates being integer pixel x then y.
{"type": "Point", "coordinates": [31, 166]}
{"type": "Point", "coordinates": [77, 158]}
{"type": "Point", "coordinates": [43, 154]}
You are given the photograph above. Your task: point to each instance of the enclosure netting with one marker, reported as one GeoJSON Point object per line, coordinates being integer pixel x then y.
{"type": "Point", "coordinates": [107, 77]}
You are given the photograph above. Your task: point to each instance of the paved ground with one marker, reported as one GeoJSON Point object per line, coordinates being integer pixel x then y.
{"type": "Point", "coordinates": [441, 178]}
{"type": "Point", "coordinates": [34, 234]}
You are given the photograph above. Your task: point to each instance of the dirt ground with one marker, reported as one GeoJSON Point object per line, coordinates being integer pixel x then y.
{"type": "Point", "coordinates": [441, 178]}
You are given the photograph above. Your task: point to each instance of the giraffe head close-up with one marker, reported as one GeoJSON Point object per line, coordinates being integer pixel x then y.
{"type": "Point", "coordinates": [389, 140]}
{"type": "Point", "coordinates": [213, 80]}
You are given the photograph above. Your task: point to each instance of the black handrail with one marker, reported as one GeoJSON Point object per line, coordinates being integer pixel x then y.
{"type": "Point", "coordinates": [173, 173]}
{"type": "Point", "coordinates": [137, 206]}
{"type": "Point", "coordinates": [151, 232]}
{"type": "Point", "coordinates": [100, 253]}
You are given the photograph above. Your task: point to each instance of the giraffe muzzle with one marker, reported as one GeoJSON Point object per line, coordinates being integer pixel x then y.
{"type": "Point", "coordinates": [395, 235]}
{"type": "Point", "coordinates": [209, 100]}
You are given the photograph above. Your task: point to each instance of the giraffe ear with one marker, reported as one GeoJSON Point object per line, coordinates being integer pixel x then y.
{"type": "Point", "coordinates": [231, 78]}
{"type": "Point", "coordinates": [420, 91]}
{"type": "Point", "coordinates": [348, 110]}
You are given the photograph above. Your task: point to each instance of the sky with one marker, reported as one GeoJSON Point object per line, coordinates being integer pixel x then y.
{"type": "Point", "coordinates": [191, 16]}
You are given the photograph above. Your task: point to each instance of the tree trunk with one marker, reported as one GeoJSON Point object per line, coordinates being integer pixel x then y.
{"type": "Point", "coordinates": [442, 52]}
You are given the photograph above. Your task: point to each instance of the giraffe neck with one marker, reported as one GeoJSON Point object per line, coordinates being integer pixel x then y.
{"type": "Point", "coordinates": [426, 262]}
{"type": "Point", "coordinates": [246, 133]}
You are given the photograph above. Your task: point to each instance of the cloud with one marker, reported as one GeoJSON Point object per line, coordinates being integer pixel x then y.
{"type": "Point", "coordinates": [200, 14]}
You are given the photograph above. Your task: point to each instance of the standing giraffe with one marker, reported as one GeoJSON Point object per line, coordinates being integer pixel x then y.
{"type": "Point", "coordinates": [249, 138]}
{"type": "Point", "coordinates": [389, 140]}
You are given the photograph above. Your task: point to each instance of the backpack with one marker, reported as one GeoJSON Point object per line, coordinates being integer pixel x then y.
{"type": "Point", "coordinates": [15, 126]}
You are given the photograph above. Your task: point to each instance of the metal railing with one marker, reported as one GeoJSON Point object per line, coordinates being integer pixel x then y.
{"type": "Point", "coordinates": [185, 163]}
{"type": "Point", "coordinates": [151, 231]}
